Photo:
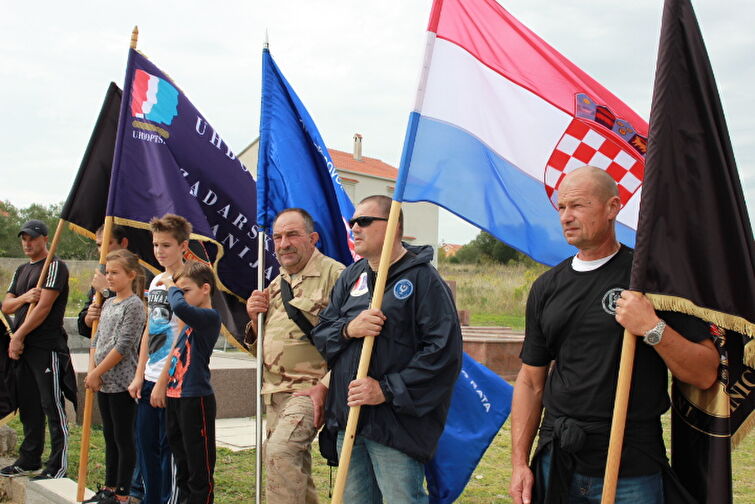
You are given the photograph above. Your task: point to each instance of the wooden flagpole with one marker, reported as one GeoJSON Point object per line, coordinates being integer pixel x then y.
{"type": "Point", "coordinates": [46, 267]}
{"type": "Point", "coordinates": [618, 422]}
{"type": "Point", "coordinates": [86, 427]}
{"type": "Point", "coordinates": [364, 359]}
{"type": "Point", "coordinates": [260, 365]}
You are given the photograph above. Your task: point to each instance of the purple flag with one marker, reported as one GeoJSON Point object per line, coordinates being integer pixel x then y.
{"type": "Point", "coordinates": [169, 159]}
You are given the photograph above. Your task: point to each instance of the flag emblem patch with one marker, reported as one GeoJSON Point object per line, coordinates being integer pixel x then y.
{"type": "Point", "coordinates": [153, 98]}
{"type": "Point", "coordinates": [360, 286]}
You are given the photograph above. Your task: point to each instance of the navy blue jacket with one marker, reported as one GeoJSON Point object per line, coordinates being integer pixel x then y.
{"type": "Point", "coordinates": [416, 358]}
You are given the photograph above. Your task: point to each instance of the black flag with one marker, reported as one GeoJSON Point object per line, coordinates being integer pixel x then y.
{"type": "Point", "coordinates": [84, 209]}
{"type": "Point", "coordinates": [694, 251]}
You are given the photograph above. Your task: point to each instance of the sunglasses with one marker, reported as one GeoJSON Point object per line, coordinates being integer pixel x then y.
{"type": "Point", "coordinates": [365, 220]}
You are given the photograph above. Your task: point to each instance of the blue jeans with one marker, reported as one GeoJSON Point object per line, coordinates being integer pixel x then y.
{"type": "Point", "coordinates": [154, 457]}
{"type": "Point", "coordinates": [137, 485]}
{"type": "Point", "coordinates": [589, 489]}
{"type": "Point", "coordinates": [378, 472]}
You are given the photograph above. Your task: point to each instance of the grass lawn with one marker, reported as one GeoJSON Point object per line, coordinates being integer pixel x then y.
{"type": "Point", "coordinates": [234, 471]}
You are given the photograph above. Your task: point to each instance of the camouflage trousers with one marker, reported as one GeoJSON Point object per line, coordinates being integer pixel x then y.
{"type": "Point", "coordinates": [288, 461]}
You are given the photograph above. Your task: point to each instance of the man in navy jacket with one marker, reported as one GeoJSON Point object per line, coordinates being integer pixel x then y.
{"type": "Point", "coordinates": [415, 361]}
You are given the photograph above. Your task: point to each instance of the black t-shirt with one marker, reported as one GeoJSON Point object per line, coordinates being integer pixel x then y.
{"type": "Point", "coordinates": [571, 321]}
{"type": "Point", "coordinates": [50, 334]}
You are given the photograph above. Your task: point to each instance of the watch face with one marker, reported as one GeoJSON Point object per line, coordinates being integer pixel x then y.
{"type": "Point", "coordinates": [653, 338]}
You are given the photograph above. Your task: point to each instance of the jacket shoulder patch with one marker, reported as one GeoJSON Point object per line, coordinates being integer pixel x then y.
{"type": "Point", "coordinates": [403, 289]}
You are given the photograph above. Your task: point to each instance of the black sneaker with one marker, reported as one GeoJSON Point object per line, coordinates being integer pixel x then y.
{"type": "Point", "coordinates": [101, 495]}
{"type": "Point", "coordinates": [45, 475]}
{"type": "Point", "coordinates": [16, 470]}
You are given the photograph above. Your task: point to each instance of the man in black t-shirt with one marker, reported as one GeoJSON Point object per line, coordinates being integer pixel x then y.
{"type": "Point", "coordinates": [39, 344]}
{"type": "Point", "coordinates": [576, 316]}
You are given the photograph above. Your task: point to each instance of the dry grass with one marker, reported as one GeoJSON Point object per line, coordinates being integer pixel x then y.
{"type": "Point", "coordinates": [494, 294]}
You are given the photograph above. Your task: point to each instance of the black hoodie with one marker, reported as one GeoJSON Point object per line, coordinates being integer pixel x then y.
{"type": "Point", "coordinates": [416, 358]}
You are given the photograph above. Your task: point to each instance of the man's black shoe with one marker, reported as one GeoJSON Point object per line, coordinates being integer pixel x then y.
{"type": "Point", "coordinates": [16, 470]}
{"type": "Point", "coordinates": [44, 475]}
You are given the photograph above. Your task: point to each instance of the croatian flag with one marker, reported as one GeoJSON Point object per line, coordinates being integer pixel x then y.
{"type": "Point", "coordinates": [294, 168]}
{"type": "Point", "coordinates": [500, 118]}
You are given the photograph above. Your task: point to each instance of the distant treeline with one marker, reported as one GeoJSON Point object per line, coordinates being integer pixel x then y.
{"type": "Point", "coordinates": [72, 245]}
{"type": "Point", "coordinates": [486, 249]}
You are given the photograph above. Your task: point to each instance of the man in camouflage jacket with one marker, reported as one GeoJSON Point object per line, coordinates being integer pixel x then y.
{"type": "Point", "coordinates": [294, 381]}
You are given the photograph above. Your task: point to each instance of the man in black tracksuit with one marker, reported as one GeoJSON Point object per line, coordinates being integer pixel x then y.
{"type": "Point", "coordinates": [415, 361]}
{"type": "Point", "coordinates": [43, 369]}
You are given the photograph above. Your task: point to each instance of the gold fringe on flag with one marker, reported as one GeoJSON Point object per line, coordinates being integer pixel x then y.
{"type": "Point", "coordinates": [724, 320]}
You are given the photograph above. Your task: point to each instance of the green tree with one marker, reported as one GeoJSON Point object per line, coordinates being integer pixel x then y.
{"type": "Point", "coordinates": [486, 248]}
{"type": "Point", "coordinates": [71, 246]}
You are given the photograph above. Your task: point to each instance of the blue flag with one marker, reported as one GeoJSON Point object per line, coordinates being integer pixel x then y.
{"type": "Point", "coordinates": [479, 407]}
{"type": "Point", "coordinates": [168, 159]}
{"type": "Point", "coordinates": [294, 168]}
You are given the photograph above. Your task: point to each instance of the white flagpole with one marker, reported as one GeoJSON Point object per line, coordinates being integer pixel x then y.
{"type": "Point", "coordinates": [258, 384]}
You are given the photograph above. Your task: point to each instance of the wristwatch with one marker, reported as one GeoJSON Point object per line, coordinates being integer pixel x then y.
{"type": "Point", "coordinates": [106, 293]}
{"type": "Point", "coordinates": [654, 335]}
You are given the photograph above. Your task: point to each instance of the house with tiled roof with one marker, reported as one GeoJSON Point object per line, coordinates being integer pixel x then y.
{"type": "Point", "coordinates": [363, 176]}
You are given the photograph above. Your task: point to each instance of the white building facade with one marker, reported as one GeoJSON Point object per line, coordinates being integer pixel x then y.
{"type": "Point", "coordinates": [364, 176]}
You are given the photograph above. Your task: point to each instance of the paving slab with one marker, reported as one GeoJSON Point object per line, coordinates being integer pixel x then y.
{"type": "Point", "coordinates": [237, 434]}
{"type": "Point", "coordinates": [54, 491]}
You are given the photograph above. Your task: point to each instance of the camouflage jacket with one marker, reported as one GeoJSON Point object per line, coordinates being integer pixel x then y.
{"type": "Point", "coordinates": [291, 360]}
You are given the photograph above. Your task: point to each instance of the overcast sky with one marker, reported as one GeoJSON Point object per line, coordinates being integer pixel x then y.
{"type": "Point", "coordinates": [354, 65]}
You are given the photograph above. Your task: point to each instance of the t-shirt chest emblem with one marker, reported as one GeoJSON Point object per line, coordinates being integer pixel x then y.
{"type": "Point", "coordinates": [403, 289]}
{"type": "Point", "coordinates": [610, 298]}
{"type": "Point", "coordinates": [360, 287]}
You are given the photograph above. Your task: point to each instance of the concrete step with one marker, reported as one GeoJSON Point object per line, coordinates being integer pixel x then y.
{"type": "Point", "coordinates": [55, 491]}
{"type": "Point", "coordinates": [234, 375]}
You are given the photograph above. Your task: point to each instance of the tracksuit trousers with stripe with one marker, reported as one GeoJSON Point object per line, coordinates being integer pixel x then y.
{"type": "Point", "coordinates": [191, 434]}
{"type": "Point", "coordinates": [40, 397]}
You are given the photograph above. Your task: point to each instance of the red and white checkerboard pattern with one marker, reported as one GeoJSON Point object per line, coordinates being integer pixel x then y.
{"type": "Point", "coordinates": [583, 144]}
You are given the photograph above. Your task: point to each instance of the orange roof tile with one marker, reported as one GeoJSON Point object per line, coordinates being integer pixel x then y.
{"type": "Point", "coordinates": [451, 249]}
{"type": "Point", "coordinates": [368, 165]}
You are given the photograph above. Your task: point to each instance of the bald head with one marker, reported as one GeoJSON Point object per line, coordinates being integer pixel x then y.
{"type": "Point", "coordinates": [588, 203]}
{"type": "Point", "coordinates": [600, 183]}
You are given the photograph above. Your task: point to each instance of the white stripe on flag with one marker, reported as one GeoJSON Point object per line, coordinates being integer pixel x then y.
{"type": "Point", "coordinates": [514, 122]}
{"type": "Point", "coordinates": [151, 98]}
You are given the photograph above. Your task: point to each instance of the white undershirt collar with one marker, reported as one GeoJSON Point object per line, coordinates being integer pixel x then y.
{"type": "Point", "coordinates": [578, 264]}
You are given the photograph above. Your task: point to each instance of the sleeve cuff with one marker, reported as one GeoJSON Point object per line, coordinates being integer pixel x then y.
{"type": "Point", "coordinates": [386, 389]}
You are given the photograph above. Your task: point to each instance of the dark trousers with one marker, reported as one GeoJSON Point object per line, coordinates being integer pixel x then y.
{"type": "Point", "coordinates": [137, 484]}
{"type": "Point", "coordinates": [38, 382]}
{"type": "Point", "coordinates": [154, 456]}
{"type": "Point", "coordinates": [118, 412]}
{"type": "Point", "coordinates": [191, 433]}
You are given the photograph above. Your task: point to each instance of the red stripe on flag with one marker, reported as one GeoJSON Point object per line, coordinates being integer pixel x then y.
{"type": "Point", "coordinates": [498, 40]}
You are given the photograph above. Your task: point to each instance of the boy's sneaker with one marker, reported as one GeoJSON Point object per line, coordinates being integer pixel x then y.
{"type": "Point", "coordinates": [16, 470]}
{"type": "Point", "coordinates": [111, 499]}
{"type": "Point", "coordinates": [102, 495]}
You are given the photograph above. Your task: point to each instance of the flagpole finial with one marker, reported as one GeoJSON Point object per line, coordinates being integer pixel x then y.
{"type": "Point", "coordinates": [266, 43]}
{"type": "Point", "coordinates": [134, 37]}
